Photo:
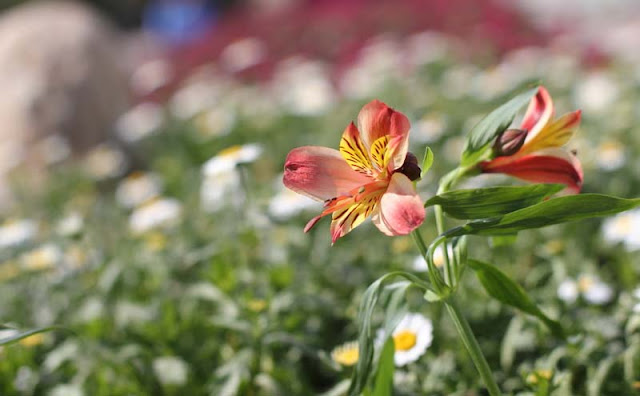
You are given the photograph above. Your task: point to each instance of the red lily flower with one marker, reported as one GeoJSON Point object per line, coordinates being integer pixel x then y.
{"type": "Point", "coordinates": [542, 159]}
{"type": "Point", "coordinates": [369, 176]}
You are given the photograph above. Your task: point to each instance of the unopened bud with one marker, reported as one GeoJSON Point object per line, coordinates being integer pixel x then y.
{"type": "Point", "coordinates": [509, 142]}
{"type": "Point", "coordinates": [410, 167]}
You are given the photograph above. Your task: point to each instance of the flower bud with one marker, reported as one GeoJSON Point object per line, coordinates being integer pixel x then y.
{"type": "Point", "coordinates": [509, 142]}
{"type": "Point", "coordinates": [410, 167]}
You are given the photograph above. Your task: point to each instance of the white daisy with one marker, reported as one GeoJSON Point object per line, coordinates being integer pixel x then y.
{"type": "Point", "coordinates": [170, 370]}
{"type": "Point", "coordinates": [138, 188]}
{"type": "Point", "coordinates": [429, 128]}
{"type": "Point", "coordinates": [411, 338]}
{"type": "Point", "coordinates": [568, 291]}
{"type": "Point", "coordinates": [105, 161]}
{"type": "Point", "coordinates": [611, 155]}
{"type": "Point", "coordinates": [230, 157]}
{"type": "Point", "coordinates": [159, 212]}
{"type": "Point", "coordinates": [596, 92]}
{"type": "Point", "coordinates": [623, 228]}
{"type": "Point", "coordinates": [150, 76]}
{"type": "Point", "coordinates": [303, 87]}
{"type": "Point", "coordinates": [43, 258]}
{"type": "Point", "coordinates": [215, 122]}
{"type": "Point", "coordinates": [70, 225]}
{"type": "Point", "coordinates": [53, 149]}
{"type": "Point", "coordinates": [139, 122]}
{"type": "Point", "coordinates": [66, 390]}
{"type": "Point", "coordinates": [221, 190]}
{"type": "Point", "coordinates": [591, 288]}
{"type": "Point", "coordinates": [13, 233]}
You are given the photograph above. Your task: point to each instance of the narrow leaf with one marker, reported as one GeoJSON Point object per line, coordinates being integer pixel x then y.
{"type": "Point", "coordinates": [384, 377]}
{"type": "Point", "coordinates": [427, 161]}
{"type": "Point", "coordinates": [484, 133]}
{"type": "Point", "coordinates": [493, 201]}
{"type": "Point", "coordinates": [499, 286]}
{"type": "Point", "coordinates": [553, 211]}
{"type": "Point", "coordinates": [370, 297]}
{"type": "Point", "coordinates": [24, 334]}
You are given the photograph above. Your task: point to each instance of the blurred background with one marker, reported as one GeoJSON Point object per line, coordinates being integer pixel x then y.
{"type": "Point", "coordinates": [141, 205]}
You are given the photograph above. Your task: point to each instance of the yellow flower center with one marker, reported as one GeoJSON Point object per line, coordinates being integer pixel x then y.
{"type": "Point", "coordinates": [585, 283]}
{"type": "Point", "coordinates": [230, 151]}
{"type": "Point", "coordinates": [404, 340]}
{"type": "Point", "coordinates": [346, 355]}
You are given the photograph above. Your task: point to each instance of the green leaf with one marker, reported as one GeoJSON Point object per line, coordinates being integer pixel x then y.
{"type": "Point", "coordinates": [503, 240]}
{"type": "Point", "coordinates": [384, 377]}
{"type": "Point", "coordinates": [546, 213]}
{"type": "Point", "coordinates": [24, 334]}
{"type": "Point", "coordinates": [370, 297]}
{"type": "Point", "coordinates": [426, 162]}
{"type": "Point", "coordinates": [505, 290]}
{"type": "Point", "coordinates": [484, 133]}
{"type": "Point", "coordinates": [481, 203]}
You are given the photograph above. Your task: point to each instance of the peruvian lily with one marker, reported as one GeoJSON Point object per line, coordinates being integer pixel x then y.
{"type": "Point", "coordinates": [539, 156]}
{"type": "Point", "coordinates": [371, 175]}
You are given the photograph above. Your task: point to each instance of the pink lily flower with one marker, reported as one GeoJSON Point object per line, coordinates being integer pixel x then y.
{"type": "Point", "coordinates": [371, 175]}
{"type": "Point", "coordinates": [541, 158]}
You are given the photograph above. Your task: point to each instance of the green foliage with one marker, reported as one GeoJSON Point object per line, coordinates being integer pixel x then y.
{"type": "Point", "coordinates": [505, 290]}
{"type": "Point", "coordinates": [554, 211]}
{"type": "Point", "coordinates": [481, 203]}
{"type": "Point", "coordinates": [427, 161]}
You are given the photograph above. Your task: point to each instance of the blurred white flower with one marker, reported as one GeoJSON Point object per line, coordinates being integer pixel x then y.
{"type": "Point", "coordinates": [201, 92]}
{"type": "Point", "coordinates": [66, 351]}
{"type": "Point", "coordinates": [25, 380]}
{"type": "Point", "coordinates": [411, 338]}
{"type": "Point", "coordinates": [610, 155]}
{"type": "Point", "coordinates": [17, 232]}
{"type": "Point", "coordinates": [623, 228]}
{"type": "Point", "coordinates": [66, 390]}
{"type": "Point", "coordinates": [303, 87]}
{"type": "Point", "coordinates": [230, 157]}
{"type": "Point", "coordinates": [287, 204]}
{"type": "Point", "coordinates": [215, 122]}
{"type": "Point", "coordinates": [139, 122]}
{"type": "Point", "coordinates": [420, 264]}
{"type": "Point", "coordinates": [568, 291]}
{"type": "Point", "coordinates": [242, 54]}
{"type": "Point", "coordinates": [127, 312]}
{"type": "Point", "coordinates": [105, 161]}
{"type": "Point", "coordinates": [591, 288]}
{"type": "Point", "coordinates": [42, 258]}
{"type": "Point", "coordinates": [91, 309]}
{"type": "Point", "coordinates": [70, 225]}
{"type": "Point", "coordinates": [429, 128]}
{"type": "Point", "coordinates": [221, 190]}
{"type": "Point", "coordinates": [171, 370]}
{"type": "Point", "coordinates": [427, 47]}
{"type": "Point", "coordinates": [596, 92]}
{"type": "Point", "coordinates": [636, 296]}
{"type": "Point", "coordinates": [150, 76]}
{"type": "Point", "coordinates": [159, 212]}
{"type": "Point", "coordinates": [53, 149]}
{"type": "Point", "coordinates": [138, 188]}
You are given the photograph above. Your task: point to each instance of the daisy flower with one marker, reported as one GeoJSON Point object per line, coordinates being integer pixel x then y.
{"type": "Point", "coordinates": [623, 228]}
{"type": "Point", "coordinates": [13, 233]}
{"type": "Point", "coordinates": [591, 288]}
{"type": "Point", "coordinates": [155, 213]}
{"type": "Point", "coordinates": [346, 354]}
{"type": "Point", "coordinates": [138, 188]}
{"type": "Point", "coordinates": [411, 338]}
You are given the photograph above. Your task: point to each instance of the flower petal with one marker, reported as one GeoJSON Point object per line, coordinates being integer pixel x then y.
{"type": "Point", "coordinates": [375, 120]}
{"type": "Point", "coordinates": [538, 114]}
{"type": "Point", "coordinates": [555, 134]}
{"type": "Point", "coordinates": [354, 151]}
{"type": "Point", "coordinates": [545, 166]}
{"type": "Point", "coordinates": [401, 209]}
{"type": "Point", "coordinates": [320, 173]}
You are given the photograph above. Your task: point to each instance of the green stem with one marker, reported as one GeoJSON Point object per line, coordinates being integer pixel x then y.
{"type": "Point", "coordinates": [471, 344]}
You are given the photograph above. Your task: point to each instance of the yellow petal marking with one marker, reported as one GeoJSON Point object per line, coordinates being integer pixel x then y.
{"type": "Point", "coordinates": [355, 153]}
{"type": "Point", "coordinates": [555, 134]}
{"type": "Point", "coordinates": [380, 153]}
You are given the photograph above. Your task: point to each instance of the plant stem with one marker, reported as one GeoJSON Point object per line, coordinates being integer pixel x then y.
{"type": "Point", "coordinates": [471, 344]}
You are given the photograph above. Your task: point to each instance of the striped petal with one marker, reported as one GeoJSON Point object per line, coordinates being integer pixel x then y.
{"type": "Point", "coordinates": [376, 120]}
{"type": "Point", "coordinates": [538, 114]}
{"type": "Point", "coordinates": [401, 210]}
{"type": "Point", "coordinates": [556, 134]}
{"type": "Point", "coordinates": [354, 152]}
{"type": "Point", "coordinates": [320, 173]}
{"type": "Point", "coordinates": [545, 166]}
